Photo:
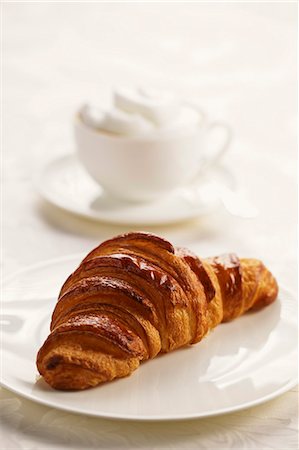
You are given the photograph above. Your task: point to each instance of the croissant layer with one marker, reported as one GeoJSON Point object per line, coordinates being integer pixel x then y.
{"type": "Point", "coordinates": [135, 296]}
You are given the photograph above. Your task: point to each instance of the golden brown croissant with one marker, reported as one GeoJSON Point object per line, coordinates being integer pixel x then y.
{"type": "Point", "coordinates": [135, 296]}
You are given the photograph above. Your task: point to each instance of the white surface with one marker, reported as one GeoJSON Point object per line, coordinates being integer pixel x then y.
{"type": "Point", "coordinates": [230, 369]}
{"type": "Point", "coordinates": [65, 184]}
{"type": "Point", "coordinates": [239, 62]}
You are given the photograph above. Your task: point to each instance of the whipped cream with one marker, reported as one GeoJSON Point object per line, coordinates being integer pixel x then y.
{"type": "Point", "coordinates": [136, 112]}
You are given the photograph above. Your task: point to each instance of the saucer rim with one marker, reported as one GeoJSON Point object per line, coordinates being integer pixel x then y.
{"type": "Point", "coordinates": [44, 190]}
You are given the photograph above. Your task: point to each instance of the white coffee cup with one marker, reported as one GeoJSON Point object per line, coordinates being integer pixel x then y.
{"type": "Point", "coordinates": [143, 168]}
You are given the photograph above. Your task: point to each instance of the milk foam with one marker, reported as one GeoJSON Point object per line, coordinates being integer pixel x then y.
{"type": "Point", "coordinates": [142, 111]}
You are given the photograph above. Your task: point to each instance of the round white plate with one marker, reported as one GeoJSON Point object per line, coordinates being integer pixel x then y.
{"type": "Point", "coordinates": [240, 364]}
{"type": "Point", "coordinates": [65, 183]}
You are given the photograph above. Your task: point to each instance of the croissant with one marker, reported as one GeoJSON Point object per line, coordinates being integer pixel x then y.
{"type": "Point", "coordinates": [135, 296]}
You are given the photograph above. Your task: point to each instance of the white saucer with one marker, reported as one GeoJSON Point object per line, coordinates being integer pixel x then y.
{"type": "Point", "coordinates": [65, 184]}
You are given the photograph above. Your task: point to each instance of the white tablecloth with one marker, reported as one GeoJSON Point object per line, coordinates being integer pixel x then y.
{"type": "Point", "coordinates": [238, 61]}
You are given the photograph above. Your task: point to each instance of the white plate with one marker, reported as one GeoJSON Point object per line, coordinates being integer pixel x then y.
{"type": "Point", "coordinates": [240, 364]}
{"type": "Point", "coordinates": [65, 183]}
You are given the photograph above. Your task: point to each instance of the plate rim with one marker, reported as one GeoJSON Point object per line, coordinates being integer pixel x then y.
{"type": "Point", "coordinates": [291, 383]}
{"type": "Point", "coordinates": [171, 418]}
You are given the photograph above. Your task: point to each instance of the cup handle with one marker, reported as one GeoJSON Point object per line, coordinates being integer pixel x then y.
{"type": "Point", "coordinates": [213, 153]}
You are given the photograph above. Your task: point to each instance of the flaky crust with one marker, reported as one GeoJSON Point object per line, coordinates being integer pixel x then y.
{"type": "Point", "coordinates": [135, 296]}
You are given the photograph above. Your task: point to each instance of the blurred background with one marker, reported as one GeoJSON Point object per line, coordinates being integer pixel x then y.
{"type": "Point", "coordinates": [238, 61]}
